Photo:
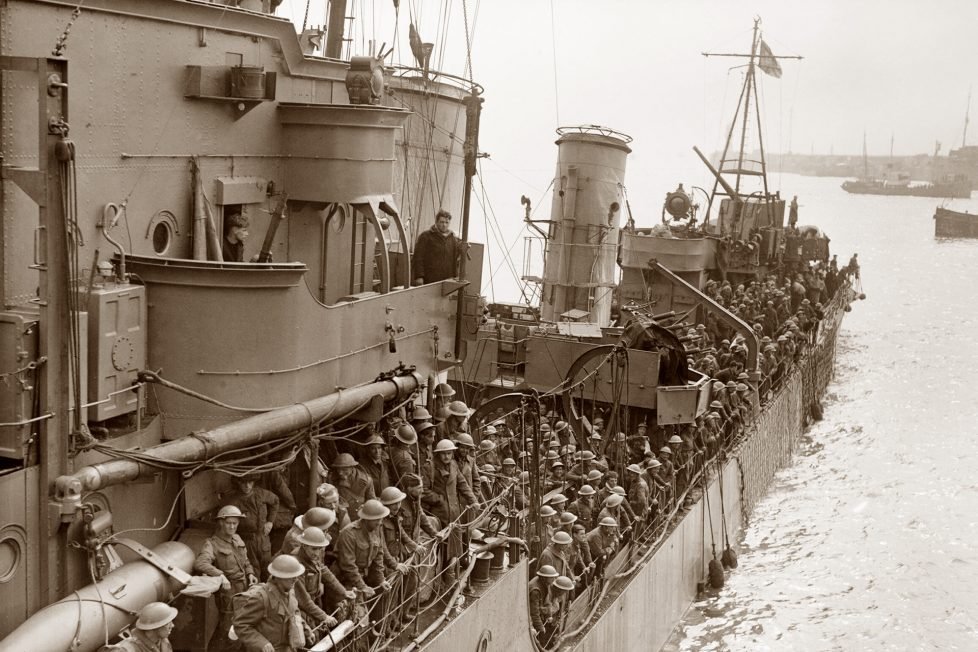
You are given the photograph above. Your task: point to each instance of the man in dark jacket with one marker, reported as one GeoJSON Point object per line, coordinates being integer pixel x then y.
{"type": "Point", "coordinates": [437, 251]}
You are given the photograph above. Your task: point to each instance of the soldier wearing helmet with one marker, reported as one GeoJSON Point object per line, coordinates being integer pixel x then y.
{"type": "Point", "coordinates": [458, 414]}
{"type": "Point", "coordinates": [225, 555]}
{"type": "Point", "coordinates": [266, 615]}
{"type": "Point", "coordinates": [465, 458]}
{"type": "Point", "coordinates": [151, 632]}
{"type": "Point", "coordinates": [557, 553]}
{"type": "Point", "coordinates": [445, 497]}
{"type": "Point", "coordinates": [403, 458]}
{"type": "Point", "coordinates": [603, 540]}
{"type": "Point", "coordinates": [259, 507]}
{"type": "Point", "coordinates": [543, 604]}
{"type": "Point", "coordinates": [441, 396]}
{"type": "Point", "coordinates": [360, 552]}
{"type": "Point", "coordinates": [375, 463]}
{"type": "Point", "coordinates": [318, 517]}
{"type": "Point", "coordinates": [353, 484]}
{"type": "Point", "coordinates": [399, 542]}
{"type": "Point", "coordinates": [327, 496]}
{"type": "Point", "coordinates": [318, 581]}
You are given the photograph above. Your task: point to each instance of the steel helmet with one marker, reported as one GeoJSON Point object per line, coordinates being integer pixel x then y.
{"type": "Point", "coordinates": [391, 495]}
{"type": "Point", "coordinates": [488, 468]}
{"type": "Point", "coordinates": [547, 571]}
{"type": "Point", "coordinates": [557, 464]}
{"type": "Point", "coordinates": [634, 468]}
{"type": "Point", "coordinates": [614, 500]}
{"type": "Point", "coordinates": [318, 517]}
{"type": "Point", "coordinates": [544, 427]}
{"type": "Point", "coordinates": [326, 491]}
{"type": "Point", "coordinates": [620, 436]}
{"type": "Point", "coordinates": [441, 414]}
{"type": "Point", "coordinates": [665, 450]}
{"type": "Point", "coordinates": [458, 409]}
{"type": "Point", "coordinates": [424, 426]}
{"type": "Point", "coordinates": [313, 536]}
{"type": "Point", "coordinates": [420, 413]}
{"type": "Point", "coordinates": [525, 478]}
{"type": "Point", "coordinates": [344, 460]}
{"type": "Point", "coordinates": [653, 463]}
{"type": "Point", "coordinates": [587, 456]}
{"type": "Point", "coordinates": [586, 490]}
{"type": "Point", "coordinates": [561, 538]}
{"type": "Point", "coordinates": [229, 510]}
{"type": "Point", "coordinates": [564, 583]}
{"type": "Point", "coordinates": [373, 510]}
{"type": "Point", "coordinates": [509, 461]}
{"type": "Point", "coordinates": [286, 567]}
{"type": "Point", "coordinates": [376, 439]}
{"type": "Point", "coordinates": [406, 434]}
{"type": "Point", "coordinates": [595, 435]}
{"type": "Point", "coordinates": [464, 439]}
{"type": "Point", "coordinates": [443, 390]}
{"type": "Point", "coordinates": [568, 518]}
{"type": "Point", "coordinates": [487, 445]}
{"type": "Point", "coordinates": [560, 426]}
{"type": "Point", "coordinates": [552, 455]}
{"type": "Point", "coordinates": [675, 439]}
{"type": "Point", "coordinates": [558, 499]}
{"type": "Point", "coordinates": [608, 521]}
{"type": "Point", "coordinates": [491, 430]}
{"type": "Point", "coordinates": [155, 615]}
{"type": "Point", "coordinates": [445, 446]}
{"type": "Point", "coordinates": [618, 489]}
{"type": "Point", "coordinates": [594, 475]}
{"type": "Point", "coordinates": [547, 510]}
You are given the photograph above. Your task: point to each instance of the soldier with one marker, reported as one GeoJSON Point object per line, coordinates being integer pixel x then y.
{"type": "Point", "coordinates": [402, 457]}
{"type": "Point", "coordinates": [447, 492]}
{"type": "Point", "coordinates": [225, 554]}
{"type": "Point", "coordinates": [328, 497]}
{"type": "Point", "coordinates": [441, 395]}
{"type": "Point", "coordinates": [458, 412]}
{"type": "Point", "coordinates": [563, 589]}
{"type": "Point", "coordinates": [465, 458]}
{"type": "Point", "coordinates": [259, 507]}
{"type": "Point", "coordinates": [487, 453]}
{"type": "Point", "coordinates": [603, 540]}
{"type": "Point", "coordinates": [375, 463]}
{"type": "Point", "coordinates": [399, 544]}
{"type": "Point", "coordinates": [557, 553]}
{"type": "Point", "coordinates": [276, 482]}
{"type": "Point", "coordinates": [152, 630]}
{"type": "Point", "coordinates": [318, 517]}
{"type": "Point", "coordinates": [353, 484]}
{"type": "Point", "coordinates": [583, 506]}
{"type": "Point", "coordinates": [318, 581]}
{"type": "Point", "coordinates": [413, 519]}
{"type": "Point", "coordinates": [426, 456]}
{"type": "Point", "coordinates": [361, 554]}
{"type": "Point", "coordinates": [543, 605]}
{"type": "Point", "coordinates": [638, 490]}
{"type": "Point", "coordinates": [581, 551]}
{"type": "Point", "coordinates": [266, 616]}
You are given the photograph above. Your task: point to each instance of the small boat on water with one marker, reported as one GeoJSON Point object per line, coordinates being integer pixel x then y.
{"type": "Point", "coordinates": [958, 187]}
{"type": "Point", "coordinates": [955, 224]}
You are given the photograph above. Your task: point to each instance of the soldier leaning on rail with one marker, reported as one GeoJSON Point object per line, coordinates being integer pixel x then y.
{"type": "Point", "coordinates": [225, 554]}
{"type": "Point", "coordinates": [544, 607]}
{"type": "Point", "coordinates": [267, 616]}
{"type": "Point", "coordinates": [318, 581]}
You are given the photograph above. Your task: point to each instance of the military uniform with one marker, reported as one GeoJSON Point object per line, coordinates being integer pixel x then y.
{"type": "Point", "coordinates": [552, 557]}
{"type": "Point", "coordinates": [219, 556]}
{"type": "Point", "coordinates": [356, 490]}
{"type": "Point", "coordinates": [139, 643]}
{"type": "Point", "coordinates": [361, 556]}
{"type": "Point", "coordinates": [263, 615]}
{"type": "Point", "coordinates": [543, 609]}
{"type": "Point", "coordinates": [319, 582]}
{"type": "Point", "coordinates": [259, 507]}
{"type": "Point", "coordinates": [402, 462]}
{"type": "Point", "coordinates": [584, 511]}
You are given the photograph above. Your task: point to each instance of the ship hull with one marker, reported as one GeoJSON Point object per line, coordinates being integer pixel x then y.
{"type": "Point", "coordinates": [956, 191]}
{"type": "Point", "coordinates": [642, 610]}
{"type": "Point", "coordinates": [954, 224]}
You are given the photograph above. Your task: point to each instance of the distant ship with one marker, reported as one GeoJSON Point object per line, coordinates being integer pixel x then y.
{"type": "Point", "coordinates": [957, 187]}
{"type": "Point", "coordinates": [955, 224]}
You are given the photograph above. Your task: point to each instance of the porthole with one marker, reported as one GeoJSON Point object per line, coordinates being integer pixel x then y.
{"type": "Point", "coordinates": [12, 540]}
{"type": "Point", "coordinates": [162, 236]}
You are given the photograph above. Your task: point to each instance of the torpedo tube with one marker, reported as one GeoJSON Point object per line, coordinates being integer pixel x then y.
{"type": "Point", "coordinates": [80, 621]}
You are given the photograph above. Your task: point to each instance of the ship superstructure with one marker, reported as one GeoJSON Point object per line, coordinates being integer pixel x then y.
{"type": "Point", "coordinates": [143, 371]}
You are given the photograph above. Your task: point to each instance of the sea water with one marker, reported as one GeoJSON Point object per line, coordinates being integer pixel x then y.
{"type": "Point", "coordinates": [869, 540]}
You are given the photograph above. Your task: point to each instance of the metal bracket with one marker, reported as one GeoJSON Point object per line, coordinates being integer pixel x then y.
{"type": "Point", "coordinates": [176, 573]}
{"type": "Point", "coordinates": [30, 180]}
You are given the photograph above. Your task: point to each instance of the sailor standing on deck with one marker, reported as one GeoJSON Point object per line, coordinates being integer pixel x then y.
{"type": "Point", "coordinates": [437, 251]}
{"type": "Point", "coordinates": [225, 554]}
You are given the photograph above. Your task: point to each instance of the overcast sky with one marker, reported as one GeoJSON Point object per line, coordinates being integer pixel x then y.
{"type": "Point", "coordinates": [900, 68]}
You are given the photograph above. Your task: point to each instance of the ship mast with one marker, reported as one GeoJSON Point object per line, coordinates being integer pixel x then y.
{"type": "Point", "coordinates": [967, 111]}
{"type": "Point", "coordinates": [742, 113]}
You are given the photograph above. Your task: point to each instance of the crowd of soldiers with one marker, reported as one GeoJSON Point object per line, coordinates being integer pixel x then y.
{"type": "Point", "coordinates": [422, 474]}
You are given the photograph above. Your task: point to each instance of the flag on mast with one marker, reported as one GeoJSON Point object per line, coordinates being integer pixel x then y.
{"type": "Point", "coordinates": [767, 62]}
